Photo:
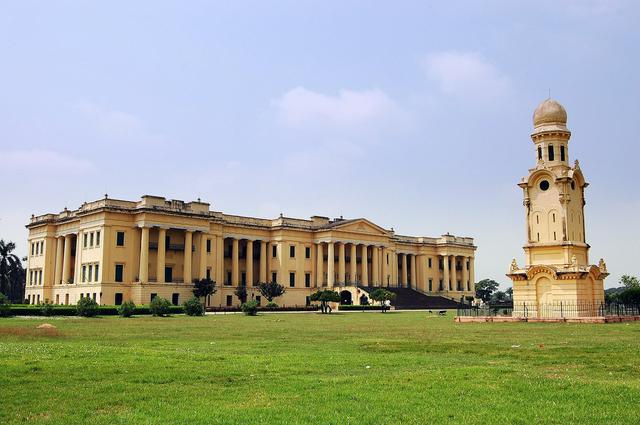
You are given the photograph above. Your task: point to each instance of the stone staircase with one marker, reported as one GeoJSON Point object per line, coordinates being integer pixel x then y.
{"type": "Point", "coordinates": [409, 299]}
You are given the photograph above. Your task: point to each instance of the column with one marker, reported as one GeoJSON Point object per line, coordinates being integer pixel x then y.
{"type": "Point", "coordinates": [249, 264]}
{"type": "Point", "coordinates": [452, 274]}
{"type": "Point", "coordinates": [143, 274]}
{"type": "Point", "coordinates": [59, 257]}
{"type": "Point", "coordinates": [235, 262]}
{"type": "Point", "coordinates": [263, 261]}
{"type": "Point", "coordinates": [405, 278]}
{"type": "Point", "coordinates": [445, 272]}
{"type": "Point", "coordinates": [394, 268]}
{"type": "Point", "coordinates": [188, 241]}
{"type": "Point", "coordinates": [219, 255]}
{"type": "Point", "coordinates": [353, 265]}
{"type": "Point", "coordinates": [465, 274]}
{"type": "Point", "coordinates": [162, 252]}
{"type": "Point", "coordinates": [375, 256]}
{"type": "Point", "coordinates": [202, 273]}
{"type": "Point", "coordinates": [414, 279]}
{"type": "Point", "coordinates": [319, 264]}
{"type": "Point", "coordinates": [385, 271]}
{"type": "Point", "coordinates": [66, 261]}
{"type": "Point", "coordinates": [330, 265]}
{"type": "Point", "coordinates": [472, 276]}
{"type": "Point", "coordinates": [341, 263]}
{"type": "Point", "coordinates": [365, 271]}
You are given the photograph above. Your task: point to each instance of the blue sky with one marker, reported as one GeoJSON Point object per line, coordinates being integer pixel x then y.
{"type": "Point", "coordinates": [415, 115]}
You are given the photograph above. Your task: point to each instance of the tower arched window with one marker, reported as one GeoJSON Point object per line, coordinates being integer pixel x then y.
{"type": "Point", "coordinates": [561, 153]}
{"type": "Point", "coordinates": [551, 153]}
{"type": "Point", "coordinates": [539, 152]}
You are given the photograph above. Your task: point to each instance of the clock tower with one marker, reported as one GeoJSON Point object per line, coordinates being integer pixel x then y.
{"type": "Point", "coordinates": [557, 278]}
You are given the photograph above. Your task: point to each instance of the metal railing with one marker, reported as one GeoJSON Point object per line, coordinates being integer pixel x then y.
{"type": "Point", "coordinates": [554, 310]}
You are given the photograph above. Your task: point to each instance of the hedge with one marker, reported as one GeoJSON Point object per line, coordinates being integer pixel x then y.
{"type": "Point", "coordinates": [359, 307]}
{"type": "Point", "coordinates": [70, 310]}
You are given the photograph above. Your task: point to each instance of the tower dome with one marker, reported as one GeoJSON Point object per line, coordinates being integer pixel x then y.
{"type": "Point", "coordinates": [549, 112]}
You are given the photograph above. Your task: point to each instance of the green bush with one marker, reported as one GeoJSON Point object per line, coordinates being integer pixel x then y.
{"type": "Point", "coordinates": [160, 306]}
{"type": "Point", "coordinates": [46, 308]}
{"type": "Point", "coordinates": [193, 307]}
{"type": "Point", "coordinates": [271, 305]}
{"type": "Point", "coordinates": [5, 306]}
{"type": "Point", "coordinates": [87, 307]}
{"type": "Point", "coordinates": [126, 309]}
{"type": "Point", "coordinates": [250, 308]}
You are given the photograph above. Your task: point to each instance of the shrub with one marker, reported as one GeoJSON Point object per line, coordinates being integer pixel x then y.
{"type": "Point", "coordinates": [250, 308]}
{"type": "Point", "coordinates": [5, 306]}
{"type": "Point", "coordinates": [193, 307]}
{"type": "Point", "coordinates": [271, 305]}
{"type": "Point", "coordinates": [126, 309]}
{"type": "Point", "coordinates": [160, 306]}
{"type": "Point", "coordinates": [87, 307]}
{"type": "Point", "coordinates": [46, 308]}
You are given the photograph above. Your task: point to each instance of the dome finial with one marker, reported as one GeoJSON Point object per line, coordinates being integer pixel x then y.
{"type": "Point", "coordinates": [550, 113]}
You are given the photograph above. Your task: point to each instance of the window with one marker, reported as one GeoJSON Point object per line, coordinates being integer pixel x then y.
{"type": "Point", "coordinates": [292, 279]}
{"type": "Point", "coordinates": [441, 264]}
{"type": "Point", "coordinates": [553, 217]}
{"type": "Point", "coordinates": [551, 153]}
{"type": "Point", "coordinates": [554, 236]}
{"type": "Point", "coordinates": [274, 251]}
{"type": "Point", "coordinates": [539, 152]}
{"type": "Point", "coordinates": [120, 239]}
{"type": "Point", "coordinates": [429, 262]}
{"type": "Point", "coordinates": [573, 185]}
{"type": "Point", "coordinates": [228, 281]}
{"type": "Point", "coordinates": [98, 238]}
{"type": "Point", "coordinates": [91, 239]}
{"type": "Point", "coordinates": [258, 299]}
{"type": "Point", "coordinates": [94, 296]}
{"type": "Point", "coordinates": [84, 273]}
{"type": "Point", "coordinates": [561, 153]}
{"type": "Point", "coordinates": [243, 279]}
{"type": "Point", "coordinates": [33, 248]}
{"type": "Point", "coordinates": [441, 287]}
{"type": "Point", "coordinates": [544, 185]}
{"type": "Point", "coordinates": [153, 296]}
{"type": "Point", "coordinates": [168, 274]}
{"type": "Point", "coordinates": [308, 301]}
{"type": "Point", "coordinates": [307, 252]}
{"type": "Point", "coordinates": [119, 272]}
{"type": "Point", "coordinates": [292, 251]}
{"type": "Point", "coordinates": [274, 277]}
{"type": "Point", "coordinates": [86, 236]}
{"type": "Point", "coordinates": [167, 242]}
{"type": "Point", "coordinates": [90, 272]}
{"type": "Point", "coordinates": [430, 285]}
{"type": "Point", "coordinates": [229, 300]}
{"type": "Point", "coordinates": [208, 246]}
{"type": "Point", "coordinates": [42, 247]}
{"type": "Point", "coordinates": [175, 298]}
{"type": "Point", "coordinates": [538, 237]}
{"type": "Point", "coordinates": [96, 273]}
{"type": "Point", "coordinates": [40, 278]}
{"type": "Point", "coordinates": [208, 273]}
{"type": "Point", "coordinates": [307, 280]}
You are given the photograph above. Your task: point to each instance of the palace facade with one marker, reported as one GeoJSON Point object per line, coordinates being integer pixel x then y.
{"type": "Point", "coordinates": [114, 250]}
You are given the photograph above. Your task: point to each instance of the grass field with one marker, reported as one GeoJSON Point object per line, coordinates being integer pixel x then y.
{"type": "Point", "coordinates": [308, 368]}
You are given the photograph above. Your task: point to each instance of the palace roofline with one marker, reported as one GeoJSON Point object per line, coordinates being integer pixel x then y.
{"type": "Point", "coordinates": [200, 210]}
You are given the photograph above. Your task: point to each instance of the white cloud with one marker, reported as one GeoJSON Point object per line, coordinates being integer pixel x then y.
{"type": "Point", "coordinates": [113, 124]}
{"type": "Point", "coordinates": [349, 109]}
{"type": "Point", "coordinates": [466, 75]}
{"type": "Point", "coordinates": [38, 161]}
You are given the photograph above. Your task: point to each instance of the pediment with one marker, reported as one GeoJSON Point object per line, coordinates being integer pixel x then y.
{"type": "Point", "coordinates": [360, 225]}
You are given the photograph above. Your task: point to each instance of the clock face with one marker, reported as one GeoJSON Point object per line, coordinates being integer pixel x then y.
{"type": "Point", "coordinates": [544, 185]}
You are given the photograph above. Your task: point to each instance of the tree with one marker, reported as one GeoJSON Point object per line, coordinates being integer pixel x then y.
{"type": "Point", "coordinates": [382, 296]}
{"type": "Point", "coordinates": [241, 293]}
{"type": "Point", "coordinates": [498, 297]}
{"type": "Point", "coordinates": [87, 307]}
{"type": "Point", "coordinates": [271, 290]}
{"type": "Point", "coordinates": [629, 282]}
{"type": "Point", "coordinates": [485, 288]}
{"type": "Point", "coordinates": [202, 288]}
{"type": "Point", "coordinates": [324, 297]}
{"type": "Point", "coordinates": [509, 293]}
{"type": "Point", "coordinates": [193, 307]}
{"type": "Point", "coordinates": [629, 296]}
{"type": "Point", "coordinates": [12, 274]}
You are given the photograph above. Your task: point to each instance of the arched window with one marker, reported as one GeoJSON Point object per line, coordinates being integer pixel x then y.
{"type": "Point", "coordinates": [551, 153]}
{"type": "Point", "coordinates": [561, 153]}
{"type": "Point", "coordinates": [539, 152]}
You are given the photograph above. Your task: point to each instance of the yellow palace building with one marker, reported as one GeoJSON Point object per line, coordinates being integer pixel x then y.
{"type": "Point", "coordinates": [113, 250]}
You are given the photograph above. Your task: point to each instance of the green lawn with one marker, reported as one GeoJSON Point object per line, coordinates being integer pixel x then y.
{"type": "Point", "coordinates": [308, 368]}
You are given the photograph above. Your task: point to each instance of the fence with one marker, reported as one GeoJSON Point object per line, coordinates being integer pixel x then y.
{"type": "Point", "coordinates": [554, 310]}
